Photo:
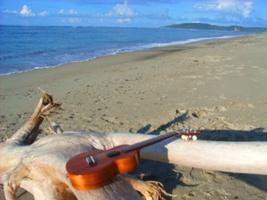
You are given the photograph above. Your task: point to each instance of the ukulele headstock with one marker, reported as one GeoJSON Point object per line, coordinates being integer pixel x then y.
{"type": "Point", "coordinates": [189, 134]}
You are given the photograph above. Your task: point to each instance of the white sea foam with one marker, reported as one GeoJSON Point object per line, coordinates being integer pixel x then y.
{"type": "Point", "coordinates": [111, 52]}
{"type": "Point", "coordinates": [153, 45]}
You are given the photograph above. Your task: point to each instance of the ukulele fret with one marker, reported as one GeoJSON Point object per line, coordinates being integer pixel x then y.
{"type": "Point", "coordinates": [149, 142]}
{"type": "Point", "coordinates": [91, 170]}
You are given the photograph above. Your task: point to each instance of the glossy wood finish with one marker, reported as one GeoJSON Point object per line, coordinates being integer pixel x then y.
{"type": "Point", "coordinates": [84, 176]}
{"type": "Point", "coordinates": [94, 169]}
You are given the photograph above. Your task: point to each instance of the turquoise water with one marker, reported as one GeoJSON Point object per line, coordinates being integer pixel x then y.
{"type": "Point", "coordinates": [24, 48]}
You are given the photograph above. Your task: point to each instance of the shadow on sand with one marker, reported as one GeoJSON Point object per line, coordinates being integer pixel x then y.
{"type": "Point", "coordinates": [154, 170]}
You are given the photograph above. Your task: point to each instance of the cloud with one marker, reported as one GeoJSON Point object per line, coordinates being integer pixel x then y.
{"type": "Point", "coordinates": [111, 2]}
{"type": "Point", "coordinates": [123, 21]}
{"type": "Point", "coordinates": [247, 8]}
{"type": "Point", "coordinates": [61, 11]}
{"type": "Point", "coordinates": [43, 13]}
{"type": "Point", "coordinates": [26, 11]}
{"type": "Point", "coordinates": [164, 15]}
{"type": "Point", "coordinates": [72, 12]}
{"type": "Point", "coordinates": [67, 12]}
{"type": "Point", "coordinates": [10, 11]}
{"type": "Point", "coordinates": [122, 12]}
{"type": "Point", "coordinates": [242, 7]}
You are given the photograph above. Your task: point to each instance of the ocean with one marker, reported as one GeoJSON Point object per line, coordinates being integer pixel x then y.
{"type": "Point", "coordinates": [25, 48]}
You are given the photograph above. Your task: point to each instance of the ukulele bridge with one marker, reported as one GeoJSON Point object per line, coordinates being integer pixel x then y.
{"type": "Point", "coordinates": [90, 160]}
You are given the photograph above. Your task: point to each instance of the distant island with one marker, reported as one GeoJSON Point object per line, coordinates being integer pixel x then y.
{"type": "Point", "coordinates": [215, 27]}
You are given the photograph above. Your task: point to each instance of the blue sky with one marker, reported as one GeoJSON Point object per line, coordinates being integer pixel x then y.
{"type": "Point", "coordinates": [134, 13]}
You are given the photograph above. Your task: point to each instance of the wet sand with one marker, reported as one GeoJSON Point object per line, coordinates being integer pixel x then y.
{"type": "Point", "coordinates": [216, 86]}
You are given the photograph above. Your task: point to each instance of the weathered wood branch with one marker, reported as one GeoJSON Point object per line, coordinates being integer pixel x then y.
{"type": "Point", "coordinates": [39, 166]}
{"type": "Point", "coordinates": [238, 157]}
{"type": "Point", "coordinates": [29, 131]}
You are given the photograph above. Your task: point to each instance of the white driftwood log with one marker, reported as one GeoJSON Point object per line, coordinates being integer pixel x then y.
{"type": "Point", "coordinates": [39, 166]}
{"type": "Point", "coordinates": [238, 157]}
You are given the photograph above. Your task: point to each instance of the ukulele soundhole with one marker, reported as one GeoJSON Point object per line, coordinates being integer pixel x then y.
{"type": "Point", "coordinates": [113, 154]}
{"type": "Point", "coordinates": [94, 169]}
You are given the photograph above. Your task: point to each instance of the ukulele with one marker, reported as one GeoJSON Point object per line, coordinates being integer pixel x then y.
{"type": "Point", "coordinates": [96, 168]}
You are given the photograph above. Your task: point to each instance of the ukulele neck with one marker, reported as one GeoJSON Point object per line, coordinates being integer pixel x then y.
{"type": "Point", "coordinates": [149, 142]}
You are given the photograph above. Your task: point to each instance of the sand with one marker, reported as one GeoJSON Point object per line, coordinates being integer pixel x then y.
{"type": "Point", "coordinates": [216, 86]}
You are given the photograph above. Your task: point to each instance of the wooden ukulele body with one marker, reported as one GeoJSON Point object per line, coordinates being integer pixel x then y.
{"type": "Point", "coordinates": [91, 170]}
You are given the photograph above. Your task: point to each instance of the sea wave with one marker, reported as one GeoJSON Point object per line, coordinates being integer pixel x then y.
{"type": "Point", "coordinates": [4, 57]}
{"type": "Point", "coordinates": [110, 52]}
{"type": "Point", "coordinates": [188, 41]}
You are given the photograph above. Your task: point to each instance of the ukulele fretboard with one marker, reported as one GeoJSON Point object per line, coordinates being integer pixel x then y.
{"type": "Point", "coordinates": [151, 141]}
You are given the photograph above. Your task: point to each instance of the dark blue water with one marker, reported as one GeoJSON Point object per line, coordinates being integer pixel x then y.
{"type": "Point", "coordinates": [24, 48]}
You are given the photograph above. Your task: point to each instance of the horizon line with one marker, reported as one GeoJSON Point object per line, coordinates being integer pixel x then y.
{"type": "Point", "coordinates": [163, 26]}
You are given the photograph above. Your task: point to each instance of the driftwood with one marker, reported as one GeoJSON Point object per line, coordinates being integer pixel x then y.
{"type": "Point", "coordinates": [39, 166]}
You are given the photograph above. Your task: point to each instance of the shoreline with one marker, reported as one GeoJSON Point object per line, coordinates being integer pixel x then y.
{"type": "Point", "coordinates": [142, 48]}
{"type": "Point", "coordinates": [217, 87]}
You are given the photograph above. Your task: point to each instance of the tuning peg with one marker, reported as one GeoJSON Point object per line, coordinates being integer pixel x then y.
{"type": "Point", "coordinates": [184, 137]}
{"type": "Point", "coordinates": [194, 137]}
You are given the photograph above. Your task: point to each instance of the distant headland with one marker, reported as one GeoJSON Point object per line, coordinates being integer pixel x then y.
{"type": "Point", "coordinates": [207, 26]}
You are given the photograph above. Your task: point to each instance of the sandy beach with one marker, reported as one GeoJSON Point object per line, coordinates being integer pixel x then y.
{"type": "Point", "coordinates": [215, 86]}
